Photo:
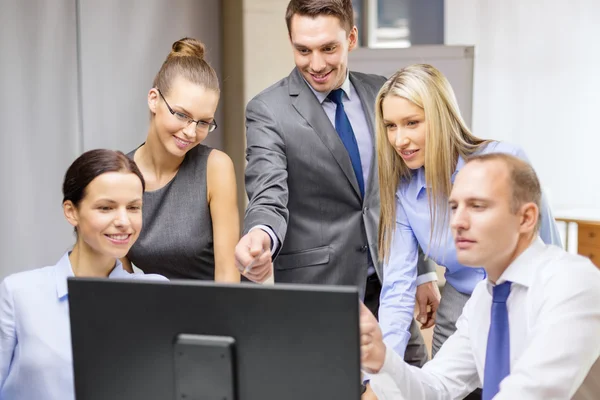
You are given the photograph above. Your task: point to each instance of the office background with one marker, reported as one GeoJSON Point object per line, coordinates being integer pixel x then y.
{"type": "Point", "coordinates": [74, 75]}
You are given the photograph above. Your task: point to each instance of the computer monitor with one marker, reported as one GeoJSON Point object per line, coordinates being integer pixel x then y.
{"type": "Point", "coordinates": [189, 340]}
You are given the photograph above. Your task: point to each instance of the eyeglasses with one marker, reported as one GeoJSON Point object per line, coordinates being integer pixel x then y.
{"type": "Point", "coordinates": [201, 126]}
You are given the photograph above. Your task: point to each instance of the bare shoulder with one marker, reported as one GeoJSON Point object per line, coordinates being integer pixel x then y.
{"type": "Point", "coordinates": [220, 174]}
{"type": "Point", "coordinates": [219, 161]}
{"type": "Point", "coordinates": [221, 182]}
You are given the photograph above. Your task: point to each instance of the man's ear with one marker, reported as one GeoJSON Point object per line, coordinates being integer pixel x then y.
{"type": "Point", "coordinates": [353, 38]}
{"type": "Point", "coordinates": [529, 217]}
{"type": "Point", "coordinates": [153, 100]}
{"type": "Point", "coordinates": [71, 213]}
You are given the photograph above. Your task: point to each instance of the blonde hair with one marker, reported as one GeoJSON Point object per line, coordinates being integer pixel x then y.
{"type": "Point", "coordinates": [447, 137]}
{"type": "Point", "coordinates": [186, 59]}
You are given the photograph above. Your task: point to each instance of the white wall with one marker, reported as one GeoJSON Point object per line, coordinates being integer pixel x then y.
{"type": "Point", "coordinates": [123, 45]}
{"type": "Point", "coordinates": [537, 85]}
{"type": "Point", "coordinates": [268, 54]}
{"type": "Point", "coordinates": [48, 115]}
{"type": "Point", "coordinates": [39, 134]}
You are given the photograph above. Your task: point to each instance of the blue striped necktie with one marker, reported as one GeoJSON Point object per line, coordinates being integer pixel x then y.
{"type": "Point", "coordinates": [497, 355]}
{"type": "Point", "coordinates": [344, 130]}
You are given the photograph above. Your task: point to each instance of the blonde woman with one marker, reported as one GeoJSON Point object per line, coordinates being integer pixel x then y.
{"type": "Point", "coordinates": [422, 142]}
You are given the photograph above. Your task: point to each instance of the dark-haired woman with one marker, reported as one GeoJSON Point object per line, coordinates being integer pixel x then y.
{"type": "Point", "coordinates": [102, 199]}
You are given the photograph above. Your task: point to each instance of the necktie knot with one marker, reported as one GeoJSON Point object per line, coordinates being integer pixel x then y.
{"type": "Point", "coordinates": [336, 96]}
{"type": "Point", "coordinates": [501, 292]}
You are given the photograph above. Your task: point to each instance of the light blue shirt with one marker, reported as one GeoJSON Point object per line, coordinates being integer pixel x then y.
{"type": "Point", "coordinates": [413, 228]}
{"type": "Point", "coordinates": [360, 127]}
{"type": "Point", "coordinates": [358, 120]}
{"type": "Point", "coordinates": [35, 334]}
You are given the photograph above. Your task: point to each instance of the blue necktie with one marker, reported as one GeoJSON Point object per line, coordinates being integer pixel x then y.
{"type": "Point", "coordinates": [344, 130]}
{"type": "Point", "coordinates": [497, 355]}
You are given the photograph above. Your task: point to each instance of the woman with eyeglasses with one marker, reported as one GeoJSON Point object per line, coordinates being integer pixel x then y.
{"type": "Point", "coordinates": [102, 200]}
{"type": "Point", "coordinates": [191, 221]}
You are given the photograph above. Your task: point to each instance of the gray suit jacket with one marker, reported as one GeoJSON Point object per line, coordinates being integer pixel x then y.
{"type": "Point", "coordinates": [300, 183]}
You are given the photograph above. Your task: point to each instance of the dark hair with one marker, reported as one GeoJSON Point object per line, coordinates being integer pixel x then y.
{"type": "Point", "coordinates": [523, 180]}
{"type": "Point", "coordinates": [342, 9]}
{"type": "Point", "coordinates": [186, 59]}
{"type": "Point", "coordinates": [91, 164]}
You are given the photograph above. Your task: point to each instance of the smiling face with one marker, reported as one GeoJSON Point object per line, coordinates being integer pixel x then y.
{"type": "Point", "coordinates": [321, 47]}
{"type": "Point", "coordinates": [188, 101]}
{"type": "Point", "coordinates": [406, 129]}
{"type": "Point", "coordinates": [108, 218]}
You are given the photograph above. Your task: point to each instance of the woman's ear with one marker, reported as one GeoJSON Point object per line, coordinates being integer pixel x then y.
{"type": "Point", "coordinates": [71, 213]}
{"type": "Point", "coordinates": [153, 100]}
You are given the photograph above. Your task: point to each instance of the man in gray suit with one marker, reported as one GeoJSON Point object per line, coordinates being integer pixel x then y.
{"type": "Point", "coordinates": [311, 176]}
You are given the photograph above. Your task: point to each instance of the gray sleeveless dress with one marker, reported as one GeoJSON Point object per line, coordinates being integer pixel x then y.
{"type": "Point", "coordinates": [177, 236]}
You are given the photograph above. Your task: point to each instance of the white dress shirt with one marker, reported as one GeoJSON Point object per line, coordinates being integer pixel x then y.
{"type": "Point", "coordinates": [554, 326]}
{"type": "Point", "coordinates": [414, 230]}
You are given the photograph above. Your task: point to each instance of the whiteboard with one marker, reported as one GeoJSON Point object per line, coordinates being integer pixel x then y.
{"type": "Point", "coordinates": [456, 62]}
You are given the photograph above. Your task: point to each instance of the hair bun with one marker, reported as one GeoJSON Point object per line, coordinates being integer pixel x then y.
{"type": "Point", "coordinates": [187, 47]}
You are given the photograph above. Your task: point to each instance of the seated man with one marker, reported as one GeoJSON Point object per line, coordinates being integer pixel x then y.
{"type": "Point", "coordinates": [531, 330]}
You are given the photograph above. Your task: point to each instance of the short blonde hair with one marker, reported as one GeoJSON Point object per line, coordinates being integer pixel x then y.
{"type": "Point", "coordinates": [447, 138]}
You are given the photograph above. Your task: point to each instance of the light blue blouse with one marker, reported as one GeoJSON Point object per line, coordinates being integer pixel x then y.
{"type": "Point", "coordinates": [413, 229]}
{"type": "Point", "coordinates": [35, 334]}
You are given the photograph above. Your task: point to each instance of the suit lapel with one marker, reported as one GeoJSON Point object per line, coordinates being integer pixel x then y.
{"type": "Point", "coordinates": [308, 106]}
{"type": "Point", "coordinates": [367, 98]}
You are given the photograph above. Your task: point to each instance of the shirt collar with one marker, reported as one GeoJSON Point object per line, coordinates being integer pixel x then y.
{"type": "Point", "coordinates": [459, 165]}
{"type": "Point", "coordinates": [321, 96]}
{"type": "Point", "coordinates": [420, 182]}
{"type": "Point", "coordinates": [64, 270]}
{"type": "Point", "coordinates": [522, 270]}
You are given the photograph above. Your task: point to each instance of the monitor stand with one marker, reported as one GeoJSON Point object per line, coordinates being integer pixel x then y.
{"type": "Point", "coordinates": [204, 367]}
